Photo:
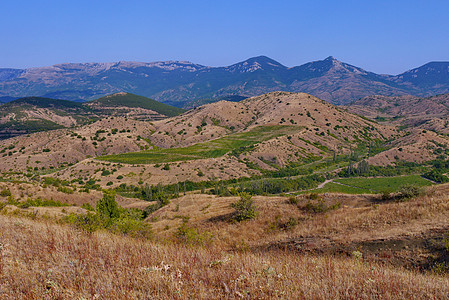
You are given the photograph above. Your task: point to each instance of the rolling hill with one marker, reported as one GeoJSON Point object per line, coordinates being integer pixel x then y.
{"type": "Point", "coordinates": [34, 114]}
{"type": "Point", "coordinates": [119, 101]}
{"type": "Point", "coordinates": [219, 140]}
{"type": "Point", "coordinates": [179, 83]}
{"type": "Point", "coordinates": [431, 113]}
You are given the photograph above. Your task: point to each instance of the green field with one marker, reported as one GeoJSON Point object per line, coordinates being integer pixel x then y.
{"type": "Point", "coordinates": [376, 185]}
{"type": "Point", "coordinates": [238, 143]}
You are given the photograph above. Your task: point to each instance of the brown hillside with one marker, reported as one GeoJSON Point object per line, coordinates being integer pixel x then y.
{"type": "Point", "coordinates": [276, 108]}
{"type": "Point", "coordinates": [64, 146]}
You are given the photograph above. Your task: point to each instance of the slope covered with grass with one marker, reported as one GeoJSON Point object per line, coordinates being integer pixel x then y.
{"type": "Point", "coordinates": [44, 260]}
{"type": "Point", "coordinates": [211, 149]}
{"type": "Point", "coordinates": [135, 101]}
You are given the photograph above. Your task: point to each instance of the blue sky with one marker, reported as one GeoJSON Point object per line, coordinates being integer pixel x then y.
{"type": "Point", "coordinates": [383, 36]}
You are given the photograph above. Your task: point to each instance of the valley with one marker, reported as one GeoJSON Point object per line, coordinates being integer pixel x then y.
{"type": "Point", "coordinates": [262, 189]}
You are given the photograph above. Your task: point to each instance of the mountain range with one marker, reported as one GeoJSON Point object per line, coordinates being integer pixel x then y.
{"type": "Point", "coordinates": [181, 83]}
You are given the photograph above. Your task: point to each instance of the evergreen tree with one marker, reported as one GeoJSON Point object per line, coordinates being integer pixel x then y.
{"type": "Point", "coordinates": [107, 207]}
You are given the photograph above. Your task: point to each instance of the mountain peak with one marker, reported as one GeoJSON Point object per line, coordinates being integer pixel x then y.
{"type": "Point", "coordinates": [256, 63]}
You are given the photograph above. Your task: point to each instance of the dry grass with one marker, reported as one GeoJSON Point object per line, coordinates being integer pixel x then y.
{"type": "Point", "coordinates": [360, 217]}
{"type": "Point", "coordinates": [49, 261]}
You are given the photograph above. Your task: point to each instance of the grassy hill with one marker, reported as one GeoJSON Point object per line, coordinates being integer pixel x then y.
{"type": "Point", "coordinates": [291, 250]}
{"type": "Point", "coordinates": [34, 114]}
{"type": "Point", "coordinates": [135, 101]}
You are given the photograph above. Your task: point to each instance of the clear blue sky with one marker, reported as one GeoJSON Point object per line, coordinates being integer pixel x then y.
{"type": "Point", "coordinates": [383, 36]}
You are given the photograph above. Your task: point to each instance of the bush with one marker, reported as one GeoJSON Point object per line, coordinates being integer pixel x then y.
{"type": "Point", "coordinates": [87, 206]}
{"type": "Point", "coordinates": [191, 236]}
{"type": "Point", "coordinates": [320, 206]}
{"type": "Point", "coordinates": [132, 227]}
{"type": "Point", "coordinates": [107, 207]}
{"type": "Point", "coordinates": [293, 200]}
{"type": "Point", "coordinates": [436, 176]}
{"type": "Point", "coordinates": [408, 191]}
{"type": "Point", "coordinates": [5, 193]}
{"type": "Point", "coordinates": [385, 195]}
{"type": "Point", "coordinates": [279, 225]}
{"type": "Point", "coordinates": [245, 209]}
{"type": "Point", "coordinates": [65, 190]}
{"type": "Point", "coordinates": [88, 222]}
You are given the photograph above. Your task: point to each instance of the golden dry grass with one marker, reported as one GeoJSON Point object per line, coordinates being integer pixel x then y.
{"type": "Point", "coordinates": [360, 217]}
{"type": "Point", "coordinates": [49, 261]}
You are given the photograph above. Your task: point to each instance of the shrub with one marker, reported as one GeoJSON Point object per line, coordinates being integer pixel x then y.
{"type": "Point", "coordinates": [320, 206]}
{"type": "Point", "coordinates": [385, 195]}
{"type": "Point", "coordinates": [245, 209]}
{"type": "Point", "coordinates": [132, 227]}
{"type": "Point", "coordinates": [408, 191]}
{"type": "Point", "coordinates": [5, 193]}
{"type": "Point", "coordinates": [313, 196]}
{"type": "Point", "coordinates": [293, 200]}
{"type": "Point", "coordinates": [87, 206]}
{"type": "Point", "coordinates": [65, 190]}
{"type": "Point", "coordinates": [88, 222]}
{"type": "Point", "coordinates": [279, 225]}
{"type": "Point", "coordinates": [191, 236]}
{"type": "Point", "coordinates": [436, 176]}
{"type": "Point", "coordinates": [107, 207]}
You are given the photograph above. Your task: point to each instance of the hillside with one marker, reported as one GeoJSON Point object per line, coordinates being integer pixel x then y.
{"type": "Point", "coordinates": [226, 140]}
{"type": "Point", "coordinates": [179, 83]}
{"type": "Point", "coordinates": [58, 148]}
{"type": "Point", "coordinates": [126, 101]}
{"type": "Point", "coordinates": [282, 195]}
{"type": "Point", "coordinates": [430, 113]}
{"type": "Point", "coordinates": [221, 140]}
{"type": "Point", "coordinates": [34, 114]}
{"type": "Point", "coordinates": [363, 246]}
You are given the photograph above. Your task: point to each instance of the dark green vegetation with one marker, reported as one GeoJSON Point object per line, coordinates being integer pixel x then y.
{"type": "Point", "coordinates": [438, 171]}
{"type": "Point", "coordinates": [235, 144]}
{"type": "Point", "coordinates": [38, 202]}
{"type": "Point", "coordinates": [375, 185]}
{"type": "Point", "coordinates": [135, 101]}
{"type": "Point", "coordinates": [110, 216]}
{"type": "Point", "coordinates": [178, 83]}
{"type": "Point", "coordinates": [245, 209]}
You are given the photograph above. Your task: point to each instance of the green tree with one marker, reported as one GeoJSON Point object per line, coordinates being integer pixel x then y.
{"type": "Point", "coordinates": [245, 209]}
{"type": "Point", "coordinates": [107, 207]}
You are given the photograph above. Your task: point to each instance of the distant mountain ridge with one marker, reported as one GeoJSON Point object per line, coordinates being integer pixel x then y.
{"type": "Point", "coordinates": [179, 83]}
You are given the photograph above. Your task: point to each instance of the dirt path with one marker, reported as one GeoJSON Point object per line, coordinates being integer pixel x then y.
{"type": "Point", "coordinates": [321, 185]}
